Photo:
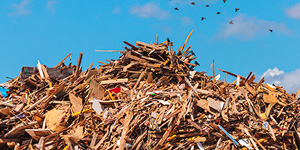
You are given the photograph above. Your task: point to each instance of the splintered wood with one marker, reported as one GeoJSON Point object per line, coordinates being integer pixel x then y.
{"type": "Point", "coordinates": [149, 98]}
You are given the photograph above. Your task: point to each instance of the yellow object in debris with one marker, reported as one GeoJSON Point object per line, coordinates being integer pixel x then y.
{"type": "Point", "coordinates": [172, 137]}
{"type": "Point", "coordinates": [263, 116]}
{"type": "Point", "coordinates": [77, 113]}
{"type": "Point", "coordinates": [110, 95]}
{"type": "Point", "coordinates": [66, 147]}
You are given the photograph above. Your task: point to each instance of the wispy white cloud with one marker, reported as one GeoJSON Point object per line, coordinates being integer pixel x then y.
{"type": "Point", "coordinates": [289, 80]}
{"type": "Point", "coordinates": [293, 11]}
{"type": "Point", "coordinates": [149, 10]}
{"type": "Point", "coordinates": [117, 9]}
{"type": "Point", "coordinates": [273, 72]}
{"type": "Point", "coordinates": [21, 9]}
{"type": "Point", "coordinates": [186, 21]}
{"type": "Point", "coordinates": [52, 5]}
{"type": "Point", "coordinates": [245, 27]}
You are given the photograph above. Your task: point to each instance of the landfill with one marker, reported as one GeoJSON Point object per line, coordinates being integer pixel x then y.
{"type": "Point", "coordinates": [149, 98]}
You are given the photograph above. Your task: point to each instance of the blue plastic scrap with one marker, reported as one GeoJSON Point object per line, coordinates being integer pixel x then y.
{"type": "Point", "coordinates": [235, 142]}
{"type": "Point", "coordinates": [3, 91]}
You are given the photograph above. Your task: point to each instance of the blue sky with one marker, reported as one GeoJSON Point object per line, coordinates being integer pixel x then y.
{"type": "Point", "coordinates": [32, 30]}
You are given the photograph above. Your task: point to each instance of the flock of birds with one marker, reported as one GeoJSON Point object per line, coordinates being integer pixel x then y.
{"type": "Point", "coordinates": [218, 13]}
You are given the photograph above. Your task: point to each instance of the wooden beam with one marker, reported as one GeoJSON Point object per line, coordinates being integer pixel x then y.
{"type": "Point", "coordinates": [61, 62]}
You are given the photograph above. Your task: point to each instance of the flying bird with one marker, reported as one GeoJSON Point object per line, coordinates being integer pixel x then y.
{"type": "Point", "coordinates": [176, 8]}
{"type": "Point", "coordinates": [270, 30]}
{"type": "Point", "coordinates": [202, 18]}
{"type": "Point", "coordinates": [237, 9]}
{"type": "Point", "coordinates": [224, 1]}
{"type": "Point", "coordinates": [218, 13]}
{"type": "Point", "coordinates": [193, 3]}
{"type": "Point", "coordinates": [206, 5]}
{"type": "Point", "coordinates": [230, 22]}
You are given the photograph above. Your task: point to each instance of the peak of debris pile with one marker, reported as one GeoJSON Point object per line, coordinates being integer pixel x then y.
{"type": "Point", "coordinates": [149, 98]}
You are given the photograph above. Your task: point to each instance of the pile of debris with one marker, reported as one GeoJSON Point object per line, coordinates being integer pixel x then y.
{"type": "Point", "coordinates": [149, 98]}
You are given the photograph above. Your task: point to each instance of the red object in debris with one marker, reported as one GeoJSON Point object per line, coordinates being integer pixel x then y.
{"type": "Point", "coordinates": [115, 90]}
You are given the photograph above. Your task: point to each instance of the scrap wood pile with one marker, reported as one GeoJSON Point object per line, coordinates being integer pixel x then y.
{"type": "Point", "coordinates": [149, 98]}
